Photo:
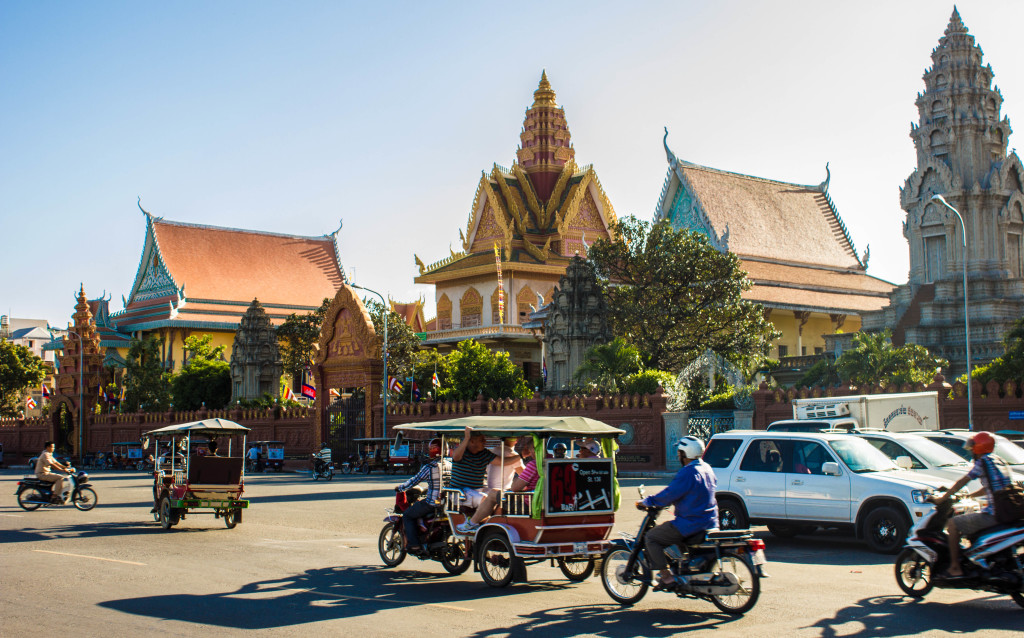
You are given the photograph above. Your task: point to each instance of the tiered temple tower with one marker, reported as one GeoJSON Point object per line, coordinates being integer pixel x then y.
{"type": "Point", "coordinates": [87, 351]}
{"type": "Point", "coordinates": [961, 142]}
{"type": "Point", "coordinates": [256, 366]}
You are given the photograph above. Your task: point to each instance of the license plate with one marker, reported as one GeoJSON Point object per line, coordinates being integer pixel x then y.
{"type": "Point", "coordinates": [759, 558]}
{"type": "Point", "coordinates": [579, 548]}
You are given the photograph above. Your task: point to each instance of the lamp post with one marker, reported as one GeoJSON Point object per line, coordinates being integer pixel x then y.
{"type": "Point", "coordinates": [81, 389]}
{"type": "Point", "coordinates": [384, 317]}
{"type": "Point", "coordinates": [967, 318]}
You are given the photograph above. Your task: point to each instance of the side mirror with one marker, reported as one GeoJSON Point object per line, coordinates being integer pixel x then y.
{"type": "Point", "coordinates": [643, 492]}
{"type": "Point", "coordinates": [145, 443]}
{"type": "Point", "coordinates": [904, 462]}
{"type": "Point", "coordinates": [830, 468]}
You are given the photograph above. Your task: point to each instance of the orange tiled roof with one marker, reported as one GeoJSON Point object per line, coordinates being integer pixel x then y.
{"type": "Point", "coordinates": [825, 290]}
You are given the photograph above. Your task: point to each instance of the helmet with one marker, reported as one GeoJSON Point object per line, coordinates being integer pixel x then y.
{"type": "Point", "coordinates": [981, 443]}
{"type": "Point", "coordinates": [434, 448]}
{"type": "Point", "coordinates": [691, 447]}
{"type": "Point", "coordinates": [560, 447]}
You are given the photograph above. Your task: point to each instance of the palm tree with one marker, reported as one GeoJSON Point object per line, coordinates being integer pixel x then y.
{"type": "Point", "coordinates": [608, 364]}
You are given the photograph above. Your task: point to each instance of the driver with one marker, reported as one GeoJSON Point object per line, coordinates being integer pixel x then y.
{"type": "Point", "coordinates": [435, 472]}
{"type": "Point", "coordinates": [43, 473]}
{"type": "Point", "coordinates": [323, 457]}
{"type": "Point", "coordinates": [993, 478]}
{"type": "Point", "coordinates": [692, 491]}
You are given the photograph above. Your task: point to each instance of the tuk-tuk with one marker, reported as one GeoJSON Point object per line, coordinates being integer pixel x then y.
{"type": "Point", "coordinates": [405, 456]}
{"type": "Point", "coordinates": [374, 454]}
{"type": "Point", "coordinates": [126, 455]}
{"type": "Point", "coordinates": [185, 482]}
{"type": "Point", "coordinates": [566, 519]}
{"type": "Point", "coordinates": [271, 455]}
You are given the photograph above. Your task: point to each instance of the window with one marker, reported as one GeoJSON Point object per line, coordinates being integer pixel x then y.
{"type": "Point", "coordinates": [768, 455]}
{"type": "Point", "coordinates": [783, 351]}
{"type": "Point", "coordinates": [809, 457]}
{"type": "Point", "coordinates": [818, 350]}
{"type": "Point", "coordinates": [721, 451]}
{"type": "Point", "coordinates": [894, 451]}
{"type": "Point", "coordinates": [934, 258]}
{"type": "Point", "coordinates": [471, 308]}
{"type": "Point", "coordinates": [1013, 255]}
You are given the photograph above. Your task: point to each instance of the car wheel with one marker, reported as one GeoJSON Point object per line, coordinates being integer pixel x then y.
{"type": "Point", "coordinates": [885, 530]}
{"type": "Point", "coordinates": [731, 515]}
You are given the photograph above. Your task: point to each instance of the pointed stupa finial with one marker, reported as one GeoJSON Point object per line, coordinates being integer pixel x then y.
{"type": "Point", "coordinates": [544, 95]}
{"type": "Point", "coordinates": [956, 24]}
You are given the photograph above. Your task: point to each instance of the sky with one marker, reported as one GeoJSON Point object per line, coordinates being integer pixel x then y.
{"type": "Point", "coordinates": [290, 116]}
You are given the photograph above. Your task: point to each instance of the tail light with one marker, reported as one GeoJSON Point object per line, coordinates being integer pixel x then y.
{"type": "Point", "coordinates": [755, 544]}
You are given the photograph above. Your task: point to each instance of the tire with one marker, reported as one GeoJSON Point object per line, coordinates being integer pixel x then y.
{"type": "Point", "coordinates": [576, 569]}
{"type": "Point", "coordinates": [230, 518]}
{"type": "Point", "coordinates": [784, 531]}
{"type": "Point", "coordinates": [365, 469]}
{"type": "Point", "coordinates": [622, 589]}
{"type": "Point", "coordinates": [30, 494]}
{"type": "Point", "coordinates": [496, 560]}
{"type": "Point", "coordinates": [390, 545]}
{"type": "Point", "coordinates": [165, 513]}
{"type": "Point", "coordinates": [456, 558]}
{"type": "Point", "coordinates": [1017, 598]}
{"type": "Point", "coordinates": [744, 599]}
{"type": "Point", "coordinates": [316, 475]}
{"type": "Point", "coordinates": [731, 515]}
{"type": "Point", "coordinates": [84, 498]}
{"type": "Point", "coordinates": [346, 468]}
{"type": "Point", "coordinates": [913, 574]}
{"type": "Point", "coordinates": [885, 530]}
{"type": "Point", "coordinates": [329, 475]}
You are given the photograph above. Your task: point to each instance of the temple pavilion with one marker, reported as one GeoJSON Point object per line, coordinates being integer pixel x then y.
{"type": "Point", "coordinates": [791, 241]}
{"type": "Point", "coordinates": [526, 221]}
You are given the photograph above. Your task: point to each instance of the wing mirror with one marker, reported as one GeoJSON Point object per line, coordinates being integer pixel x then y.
{"type": "Point", "coordinates": [643, 492]}
{"type": "Point", "coordinates": [830, 468]}
{"type": "Point", "coordinates": [904, 462]}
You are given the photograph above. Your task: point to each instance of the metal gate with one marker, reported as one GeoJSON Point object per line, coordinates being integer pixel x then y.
{"type": "Point", "coordinates": [346, 420]}
{"type": "Point", "coordinates": [704, 424]}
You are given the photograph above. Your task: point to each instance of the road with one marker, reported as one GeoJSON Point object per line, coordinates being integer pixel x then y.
{"type": "Point", "coordinates": [304, 562]}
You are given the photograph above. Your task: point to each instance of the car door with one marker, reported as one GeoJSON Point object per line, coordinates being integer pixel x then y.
{"type": "Point", "coordinates": [811, 494]}
{"type": "Point", "coordinates": [760, 479]}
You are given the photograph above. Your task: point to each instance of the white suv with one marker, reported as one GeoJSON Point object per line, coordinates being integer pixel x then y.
{"type": "Point", "coordinates": [793, 481]}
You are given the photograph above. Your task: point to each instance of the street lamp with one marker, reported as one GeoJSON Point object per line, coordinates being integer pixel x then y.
{"type": "Point", "coordinates": [967, 318]}
{"type": "Point", "coordinates": [81, 400]}
{"type": "Point", "coordinates": [384, 418]}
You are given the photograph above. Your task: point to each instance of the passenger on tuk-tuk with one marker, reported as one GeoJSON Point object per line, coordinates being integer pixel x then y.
{"type": "Point", "coordinates": [525, 481]}
{"type": "Point", "coordinates": [212, 446]}
{"type": "Point", "coordinates": [469, 466]}
{"type": "Point", "coordinates": [435, 473]}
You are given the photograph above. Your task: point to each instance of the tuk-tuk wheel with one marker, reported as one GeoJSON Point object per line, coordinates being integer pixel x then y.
{"type": "Point", "coordinates": [164, 510]}
{"type": "Point", "coordinates": [230, 518]}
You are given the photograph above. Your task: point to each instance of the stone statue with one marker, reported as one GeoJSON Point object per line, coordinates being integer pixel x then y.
{"type": "Point", "coordinates": [256, 365]}
{"type": "Point", "coordinates": [578, 319]}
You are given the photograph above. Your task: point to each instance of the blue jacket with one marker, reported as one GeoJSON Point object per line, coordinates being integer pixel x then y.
{"type": "Point", "coordinates": [692, 491]}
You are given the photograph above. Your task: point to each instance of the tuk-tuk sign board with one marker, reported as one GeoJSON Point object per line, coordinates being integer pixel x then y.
{"type": "Point", "coordinates": [578, 486]}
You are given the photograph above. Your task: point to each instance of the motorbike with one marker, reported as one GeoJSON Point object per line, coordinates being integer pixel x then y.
{"type": "Point", "coordinates": [994, 562]}
{"type": "Point", "coordinates": [34, 493]}
{"type": "Point", "coordinates": [439, 542]}
{"type": "Point", "coordinates": [724, 568]}
{"type": "Point", "coordinates": [322, 469]}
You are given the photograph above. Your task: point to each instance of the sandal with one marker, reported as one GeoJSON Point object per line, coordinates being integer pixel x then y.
{"type": "Point", "coordinates": [945, 575]}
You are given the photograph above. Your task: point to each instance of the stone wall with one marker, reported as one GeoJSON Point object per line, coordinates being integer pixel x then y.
{"type": "Point", "coordinates": [992, 402]}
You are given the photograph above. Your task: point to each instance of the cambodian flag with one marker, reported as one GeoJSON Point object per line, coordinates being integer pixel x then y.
{"type": "Point", "coordinates": [46, 391]}
{"type": "Point", "coordinates": [308, 391]}
{"type": "Point", "coordinates": [544, 370]}
{"type": "Point", "coordinates": [415, 391]}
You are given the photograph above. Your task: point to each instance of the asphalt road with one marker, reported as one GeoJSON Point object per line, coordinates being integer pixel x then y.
{"type": "Point", "coordinates": [304, 562]}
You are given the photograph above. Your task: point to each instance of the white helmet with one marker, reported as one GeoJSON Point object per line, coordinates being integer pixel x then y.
{"type": "Point", "coordinates": [691, 447]}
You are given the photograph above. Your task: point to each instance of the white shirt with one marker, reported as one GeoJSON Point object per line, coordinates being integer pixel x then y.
{"type": "Point", "coordinates": [499, 476]}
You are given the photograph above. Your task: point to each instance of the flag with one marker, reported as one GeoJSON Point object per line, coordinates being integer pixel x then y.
{"type": "Point", "coordinates": [308, 391]}
{"type": "Point", "coordinates": [123, 391]}
{"type": "Point", "coordinates": [435, 380]}
{"type": "Point", "coordinates": [46, 392]}
{"type": "Point", "coordinates": [30, 403]}
{"type": "Point", "coordinates": [333, 392]}
{"type": "Point", "coordinates": [544, 370]}
{"type": "Point", "coordinates": [288, 394]}
{"type": "Point", "coordinates": [415, 391]}
{"type": "Point", "coordinates": [501, 287]}
{"type": "Point", "coordinates": [395, 385]}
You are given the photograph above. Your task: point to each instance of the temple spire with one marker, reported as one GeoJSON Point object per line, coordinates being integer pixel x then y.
{"type": "Point", "coordinates": [956, 24]}
{"type": "Point", "coordinates": [545, 143]}
{"type": "Point", "coordinates": [544, 95]}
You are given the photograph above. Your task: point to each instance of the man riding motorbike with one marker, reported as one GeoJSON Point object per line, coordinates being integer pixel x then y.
{"type": "Point", "coordinates": [994, 477]}
{"type": "Point", "coordinates": [435, 472]}
{"type": "Point", "coordinates": [692, 491]}
{"type": "Point", "coordinates": [322, 458]}
{"type": "Point", "coordinates": [43, 473]}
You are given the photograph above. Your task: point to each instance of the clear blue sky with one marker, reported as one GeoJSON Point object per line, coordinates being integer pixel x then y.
{"type": "Point", "coordinates": [286, 116]}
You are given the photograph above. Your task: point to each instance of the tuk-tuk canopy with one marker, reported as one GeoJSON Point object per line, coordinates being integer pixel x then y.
{"type": "Point", "coordinates": [502, 426]}
{"type": "Point", "coordinates": [209, 427]}
{"type": "Point", "coordinates": [127, 443]}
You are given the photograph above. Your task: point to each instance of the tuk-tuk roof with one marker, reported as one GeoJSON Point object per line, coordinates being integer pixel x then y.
{"type": "Point", "coordinates": [518, 425]}
{"type": "Point", "coordinates": [139, 443]}
{"type": "Point", "coordinates": [266, 442]}
{"type": "Point", "coordinates": [209, 427]}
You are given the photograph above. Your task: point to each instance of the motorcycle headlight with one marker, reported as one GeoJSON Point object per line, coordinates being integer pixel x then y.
{"type": "Point", "coordinates": [919, 496]}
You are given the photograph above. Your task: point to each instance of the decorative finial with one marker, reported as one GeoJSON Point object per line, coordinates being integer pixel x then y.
{"type": "Point", "coordinates": [956, 25]}
{"type": "Point", "coordinates": [867, 255]}
{"type": "Point", "coordinates": [670, 156]}
{"type": "Point", "coordinates": [544, 95]}
{"type": "Point", "coordinates": [828, 177]}
{"type": "Point", "coordinates": [139, 204]}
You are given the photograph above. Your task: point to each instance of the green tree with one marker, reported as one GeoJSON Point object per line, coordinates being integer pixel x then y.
{"type": "Point", "coordinates": [19, 370]}
{"type": "Point", "coordinates": [673, 296]}
{"type": "Point", "coordinates": [822, 373]}
{"type": "Point", "coordinates": [609, 364]}
{"type": "Point", "coordinates": [205, 379]}
{"type": "Point", "coordinates": [298, 335]}
{"type": "Point", "coordinates": [474, 369]}
{"type": "Point", "coordinates": [147, 382]}
{"type": "Point", "coordinates": [1009, 365]}
{"type": "Point", "coordinates": [402, 343]}
{"type": "Point", "coordinates": [873, 359]}
{"type": "Point", "coordinates": [425, 362]}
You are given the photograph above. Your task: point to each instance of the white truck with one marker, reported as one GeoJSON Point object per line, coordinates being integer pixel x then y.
{"type": "Point", "coordinates": [892, 412]}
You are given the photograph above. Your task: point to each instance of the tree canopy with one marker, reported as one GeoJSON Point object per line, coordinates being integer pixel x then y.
{"type": "Point", "coordinates": [298, 335]}
{"type": "Point", "coordinates": [205, 379]}
{"type": "Point", "coordinates": [147, 382]}
{"type": "Point", "coordinates": [473, 369]}
{"type": "Point", "coordinates": [402, 342]}
{"type": "Point", "coordinates": [873, 359]}
{"type": "Point", "coordinates": [608, 365]}
{"type": "Point", "coordinates": [673, 295]}
{"type": "Point", "coordinates": [19, 370]}
{"type": "Point", "coordinates": [1010, 365]}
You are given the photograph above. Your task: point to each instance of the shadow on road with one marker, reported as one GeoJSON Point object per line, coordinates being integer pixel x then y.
{"type": "Point", "coordinates": [83, 530]}
{"type": "Point", "coordinates": [841, 547]}
{"type": "Point", "coordinates": [342, 592]}
{"type": "Point", "coordinates": [904, 616]}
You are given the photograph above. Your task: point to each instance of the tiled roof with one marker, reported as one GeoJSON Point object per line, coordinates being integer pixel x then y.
{"type": "Point", "coordinates": [825, 290]}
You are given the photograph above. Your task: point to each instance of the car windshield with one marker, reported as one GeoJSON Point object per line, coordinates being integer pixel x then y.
{"type": "Point", "coordinates": [932, 453]}
{"type": "Point", "coordinates": [861, 456]}
{"type": "Point", "coordinates": [1009, 451]}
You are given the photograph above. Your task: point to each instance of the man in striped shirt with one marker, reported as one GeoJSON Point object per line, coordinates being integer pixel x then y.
{"type": "Point", "coordinates": [435, 473]}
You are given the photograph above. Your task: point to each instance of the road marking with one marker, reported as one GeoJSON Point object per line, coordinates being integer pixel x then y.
{"type": "Point", "coordinates": [14, 515]}
{"type": "Point", "coordinates": [109, 560]}
{"type": "Point", "coordinates": [393, 601]}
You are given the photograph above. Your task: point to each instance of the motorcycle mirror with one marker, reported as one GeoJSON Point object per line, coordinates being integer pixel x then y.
{"type": "Point", "coordinates": [643, 492]}
{"type": "Point", "coordinates": [145, 442]}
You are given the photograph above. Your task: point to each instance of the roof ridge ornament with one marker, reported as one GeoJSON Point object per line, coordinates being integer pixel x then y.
{"type": "Point", "coordinates": [544, 95]}
{"type": "Point", "coordinates": [828, 177]}
{"type": "Point", "coordinates": [668, 152]}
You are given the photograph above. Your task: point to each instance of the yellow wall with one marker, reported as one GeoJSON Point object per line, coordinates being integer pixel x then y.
{"type": "Point", "coordinates": [177, 348]}
{"type": "Point", "coordinates": [818, 325]}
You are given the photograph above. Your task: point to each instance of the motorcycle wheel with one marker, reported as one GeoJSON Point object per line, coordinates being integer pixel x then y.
{"type": "Point", "coordinates": [230, 518]}
{"type": "Point", "coordinates": [329, 474]}
{"type": "Point", "coordinates": [365, 469]}
{"type": "Point", "coordinates": [456, 558]}
{"type": "Point", "coordinates": [30, 499]}
{"type": "Point", "coordinates": [84, 499]}
{"type": "Point", "coordinates": [913, 573]}
{"type": "Point", "coordinates": [496, 561]}
{"type": "Point", "coordinates": [346, 468]}
{"type": "Point", "coordinates": [624, 589]}
{"type": "Point", "coordinates": [1018, 598]}
{"type": "Point", "coordinates": [576, 569]}
{"type": "Point", "coordinates": [744, 598]}
{"type": "Point", "coordinates": [390, 546]}
{"type": "Point", "coordinates": [316, 475]}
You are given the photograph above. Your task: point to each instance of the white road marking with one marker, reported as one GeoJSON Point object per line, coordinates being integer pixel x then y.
{"type": "Point", "coordinates": [14, 515]}
{"type": "Point", "coordinates": [109, 560]}
{"type": "Point", "coordinates": [393, 601]}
